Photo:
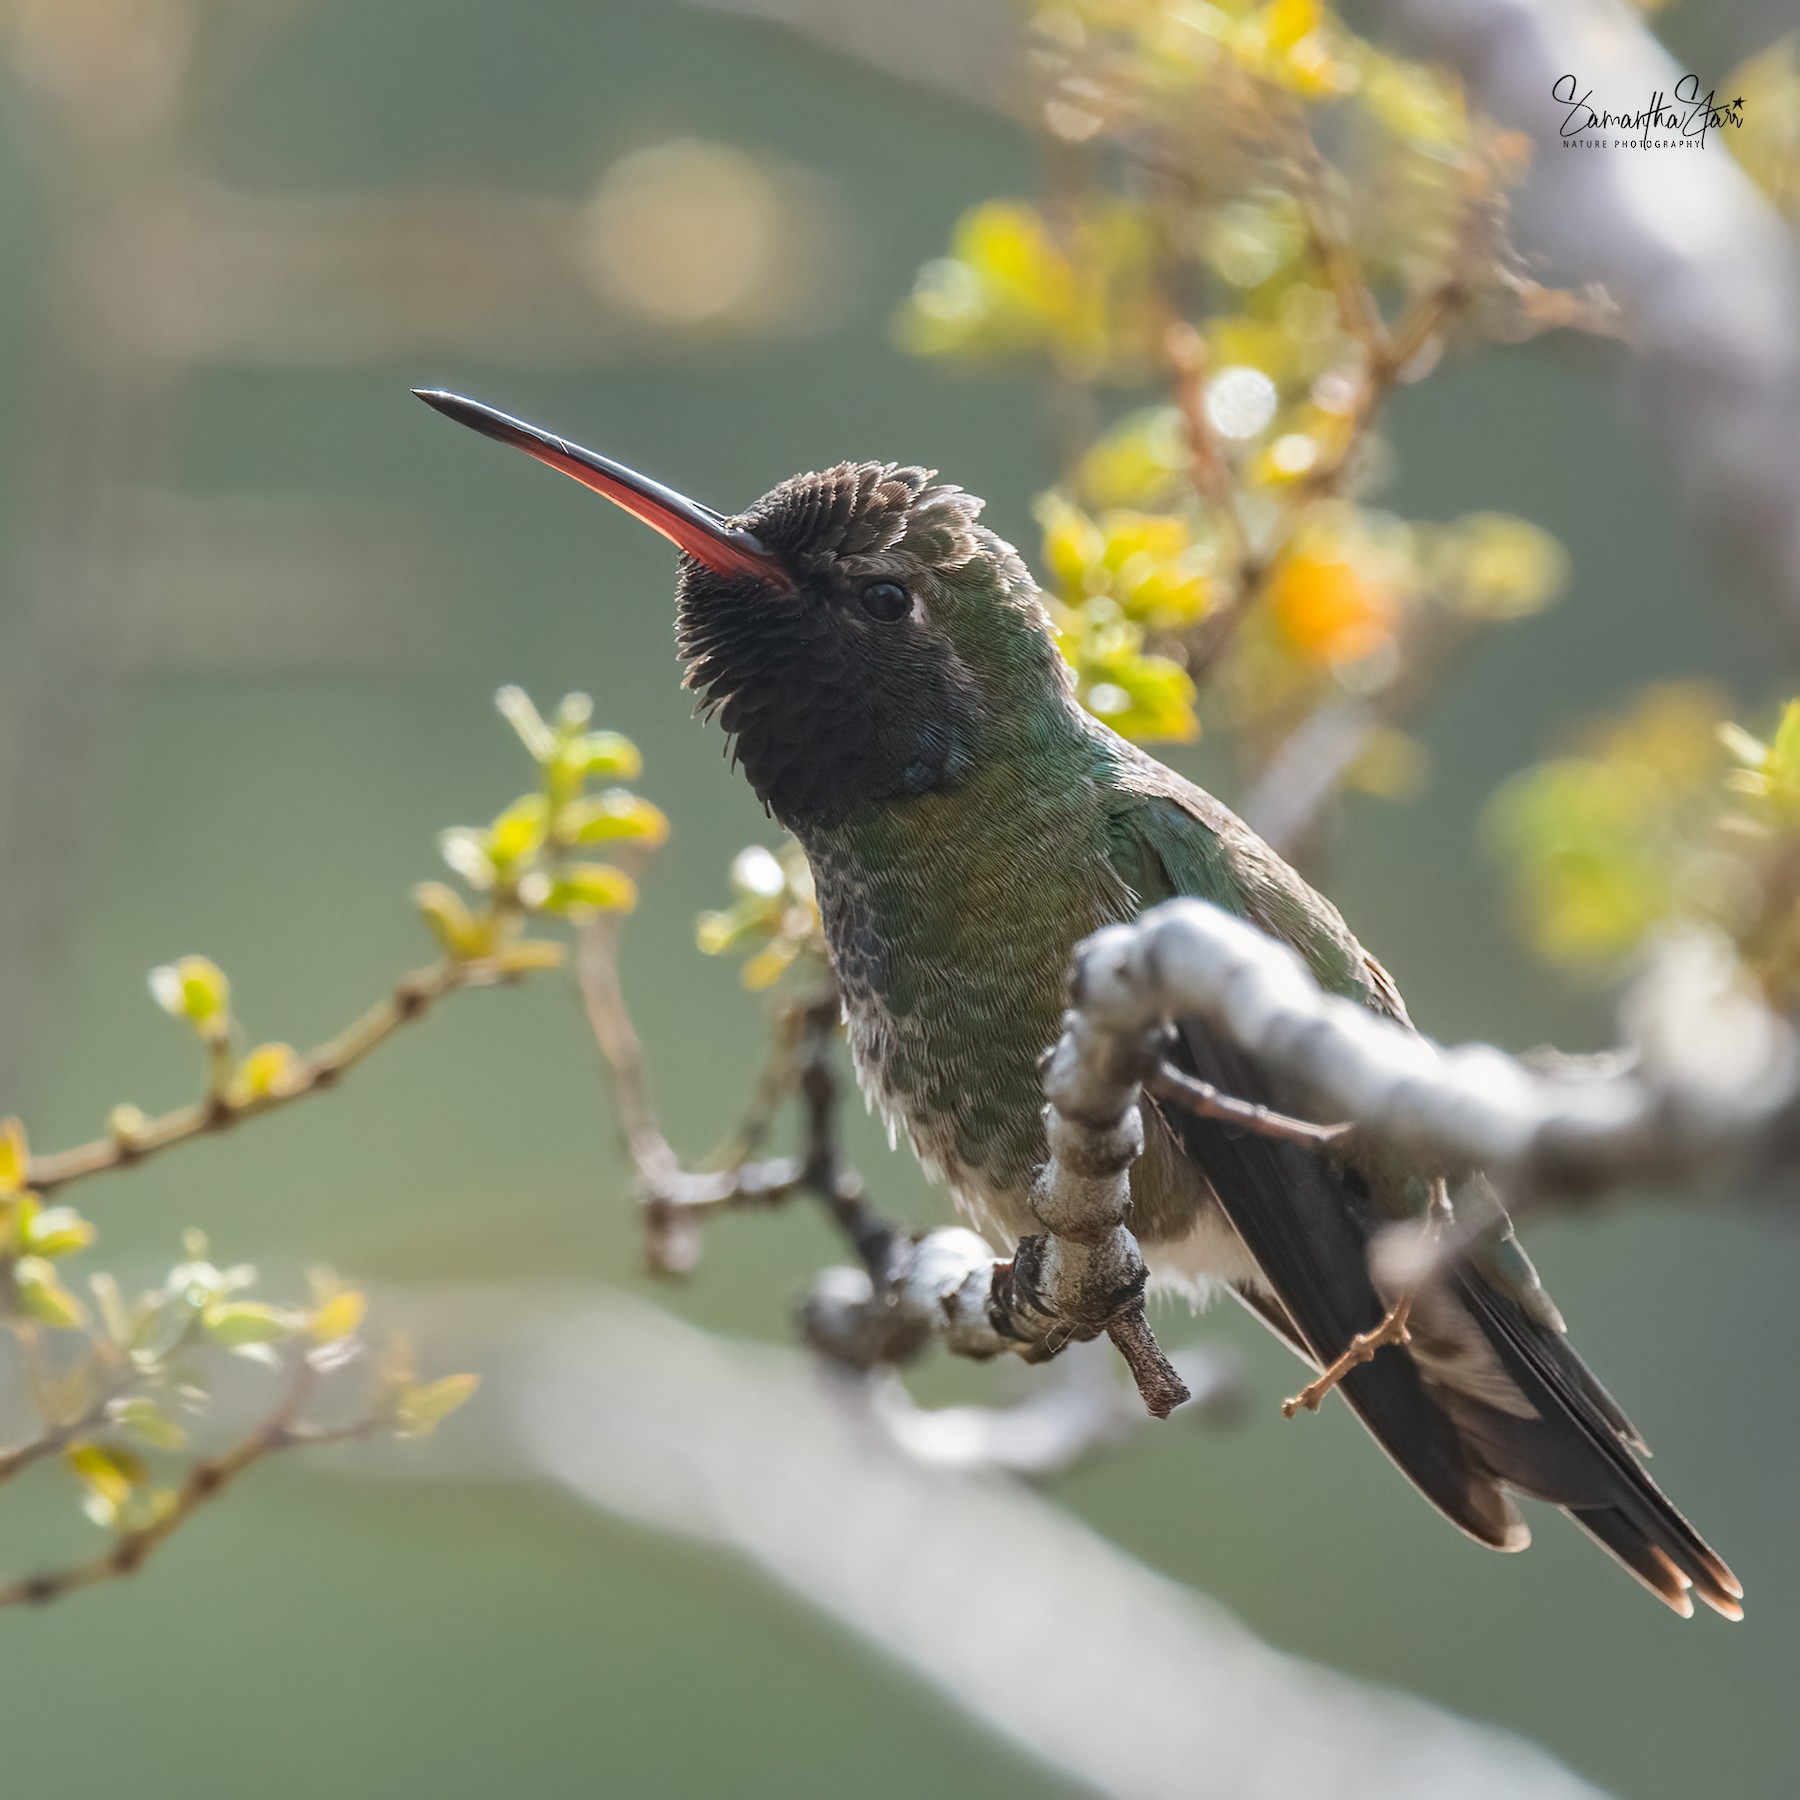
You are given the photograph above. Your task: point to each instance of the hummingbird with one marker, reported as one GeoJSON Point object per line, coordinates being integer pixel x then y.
{"type": "Point", "coordinates": [885, 671]}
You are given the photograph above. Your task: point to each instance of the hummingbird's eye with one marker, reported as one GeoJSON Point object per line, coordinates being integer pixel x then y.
{"type": "Point", "coordinates": [887, 601]}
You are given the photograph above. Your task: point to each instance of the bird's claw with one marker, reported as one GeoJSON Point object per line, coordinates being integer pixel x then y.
{"type": "Point", "coordinates": [1361, 1349]}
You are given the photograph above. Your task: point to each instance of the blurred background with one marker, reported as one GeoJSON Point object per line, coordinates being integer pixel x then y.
{"type": "Point", "coordinates": [256, 603]}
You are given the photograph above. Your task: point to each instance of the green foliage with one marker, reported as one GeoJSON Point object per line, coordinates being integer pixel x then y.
{"type": "Point", "coordinates": [123, 1387]}
{"type": "Point", "coordinates": [523, 863]}
{"type": "Point", "coordinates": [1768, 142]}
{"type": "Point", "coordinates": [196, 990]}
{"type": "Point", "coordinates": [1671, 814]}
{"type": "Point", "coordinates": [419, 1410]}
{"type": "Point", "coordinates": [773, 918]}
{"type": "Point", "coordinates": [1275, 221]}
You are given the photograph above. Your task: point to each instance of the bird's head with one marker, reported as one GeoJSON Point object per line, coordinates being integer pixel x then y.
{"type": "Point", "coordinates": [857, 633]}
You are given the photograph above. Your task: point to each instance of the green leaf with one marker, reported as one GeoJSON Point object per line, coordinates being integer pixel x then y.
{"type": "Point", "coordinates": [613, 817]}
{"type": "Point", "coordinates": [518, 833]}
{"type": "Point", "coordinates": [108, 1473]}
{"type": "Point", "coordinates": [420, 1410]}
{"type": "Point", "coordinates": [1783, 765]}
{"type": "Point", "coordinates": [127, 1124]}
{"type": "Point", "coordinates": [516, 708]}
{"type": "Point", "coordinates": [341, 1316]}
{"type": "Point", "coordinates": [194, 989]}
{"type": "Point", "coordinates": [573, 711]}
{"type": "Point", "coordinates": [15, 1157]}
{"type": "Point", "coordinates": [591, 756]}
{"type": "Point", "coordinates": [590, 887]}
{"type": "Point", "coordinates": [467, 851]}
{"type": "Point", "coordinates": [42, 1297]}
{"type": "Point", "coordinates": [530, 956]}
{"type": "Point", "coordinates": [719, 933]}
{"type": "Point", "coordinates": [57, 1231]}
{"type": "Point", "coordinates": [262, 1073]}
{"type": "Point", "coordinates": [1505, 568]}
{"type": "Point", "coordinates": [460, 934]}
{"type": "Point", "coordinates": [606, 756]}
{"type": "Point", "coordinates": [1141, 461]}
{"type": "Point", "coordinates": [232, 1323]}
{"type": "Point", "coordinates": [148, 1423]}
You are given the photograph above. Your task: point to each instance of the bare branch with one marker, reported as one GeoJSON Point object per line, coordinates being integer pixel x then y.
{"type": "Point", "coordinates": [677, 1201]}
{"type": "Point", "coordinates": [58, 1434]}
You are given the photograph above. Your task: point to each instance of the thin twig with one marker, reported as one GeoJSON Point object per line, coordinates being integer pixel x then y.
{"type": "Point", "coordinates": [677, 1201]}
{"type": "Point", "coordinates": [1338, 261]}
{"type": "Point", "coordinates": [53, 1439]}
{"type": "Point", "coordinates": [1386, 352]}
{"type": "Point", "coordinates": [825, 1173]}
{"type": "Point", "coordinates": [1202, 1098]}
{"type": "Point", "coordinates": [775, 1084]}
{"type": "Point", "coordinates": [410, 1000]}
{"type": "Point", "coordinates": [205, 1481]}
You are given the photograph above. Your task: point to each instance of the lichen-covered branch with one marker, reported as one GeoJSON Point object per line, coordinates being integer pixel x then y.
{"type": "Point", "coordinates": [1712, 1087]}
{"type": "Point", "coordinates": [1081, 1278]}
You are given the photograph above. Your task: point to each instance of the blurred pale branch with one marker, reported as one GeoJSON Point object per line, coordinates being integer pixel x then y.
{"type": "Point", "coordinates": [1004, 1603]}
{"type": "Point", "coordinates": [1701, 264]}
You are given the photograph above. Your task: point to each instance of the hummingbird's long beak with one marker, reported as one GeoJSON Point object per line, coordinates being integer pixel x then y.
{"type": "Point", "coordinates": [704, 534]}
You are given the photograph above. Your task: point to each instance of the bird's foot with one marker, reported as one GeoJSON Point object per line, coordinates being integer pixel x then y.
{"type": "Point", "coordinates": [1361, 1349]}
{"type": "Point", "coordinates": [1391, 1330]}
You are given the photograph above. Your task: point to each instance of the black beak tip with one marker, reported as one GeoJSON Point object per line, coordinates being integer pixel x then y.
{"type": "Point", "coordinates": [477, 417]}
{"type": "Point", "coordinates": [452, 406]}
